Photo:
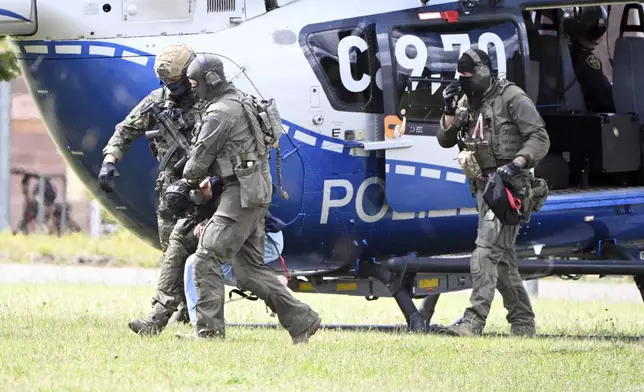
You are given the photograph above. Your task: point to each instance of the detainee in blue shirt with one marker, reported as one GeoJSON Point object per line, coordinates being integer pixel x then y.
{"type": "Point", "coordinates": [273, 245]}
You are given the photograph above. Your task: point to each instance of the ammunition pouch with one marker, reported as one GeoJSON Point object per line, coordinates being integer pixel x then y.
{"type": "Point", "coordinates": [158, 184]}
{"type": "Point", "coordinates": [468, 163]}
{"type": "Point", "coordinates": [522, 187]}
{"type": "Point", "coordinates": [152, 145]}
{"type": "Point", "coordinates": [539, 193]}
{"type": "Point", "coordinates": [227, 165]}
{"type": "Point", "coordinates": [255, 190]}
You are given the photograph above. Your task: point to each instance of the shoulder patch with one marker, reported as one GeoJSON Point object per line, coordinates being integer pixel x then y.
{"type": "Point", "coordinates": [593, 62]}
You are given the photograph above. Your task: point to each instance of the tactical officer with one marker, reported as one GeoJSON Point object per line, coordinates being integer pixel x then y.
{"type": "Point", "coordinates": [179, 200]}
{"type": "Point", "coordinates": [498, 129]}
{"type": "Point", "coordinates": [175, 95]}
{"type": "Point", "coordinates": [227, 147]}
{"type": "Point", "coordinates": [585, 28]}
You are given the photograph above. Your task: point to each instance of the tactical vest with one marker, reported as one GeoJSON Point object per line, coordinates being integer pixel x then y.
{"type": "Point", "coordinates": [239, 160]}
{"type": "Point", "coordinates": [191, 117]}
{"type": "Point", "coordinates": [490, 132]}
{"type": "Point", "coordinates": [233, 153]}
{"type": "Point", "coordinates": [161, 147]}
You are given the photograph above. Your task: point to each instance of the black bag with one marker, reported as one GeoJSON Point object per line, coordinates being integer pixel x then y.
{"type": "Point", "coordinates": [502, 201]}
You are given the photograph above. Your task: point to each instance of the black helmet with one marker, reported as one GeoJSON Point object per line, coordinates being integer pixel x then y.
{"type": "Point", "coordinates": [177, 198]}
{"type": "Point", "coordinates": [207, 74]}
{"type": "Point", "coordinates": [585, 25]}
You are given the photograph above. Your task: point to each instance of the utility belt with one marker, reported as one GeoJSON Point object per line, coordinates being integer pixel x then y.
{"type": "Point", "coordinates": [228, 165]}
{"type": "Point", "coordinates": [251, 172]}
{"type": "Point", "coordinates": [532, 192]}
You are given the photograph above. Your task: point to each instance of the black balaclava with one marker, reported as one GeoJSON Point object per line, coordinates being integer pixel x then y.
{"type": "Point", "coordinates": [207, 65]}
{"type": "Point", "coordinates": [474, 88]}
{"type": "Point", "coordinates": [181, 91]}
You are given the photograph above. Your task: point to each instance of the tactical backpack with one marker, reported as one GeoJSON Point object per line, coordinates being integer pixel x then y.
{"type": "Point", "coordinates": [266, 123]}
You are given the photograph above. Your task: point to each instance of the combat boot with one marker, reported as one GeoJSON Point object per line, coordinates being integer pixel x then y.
{"type": "Point", "coordinates": [465, 328]}
{"type": "Point", "coordinates": [522, 330]}
{"type": "Point", "coordinates": [154, 323]}
{"type": "Point", "coordinates": [304, 336]}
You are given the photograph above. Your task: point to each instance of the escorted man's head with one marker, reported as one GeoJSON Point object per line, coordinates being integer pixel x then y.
{"type": "Point", "coordinates": [171, 66]}
{"type": "Point", "coordinates": [475, 73]}
{"type": "Point", "coordinates": [206, 74]}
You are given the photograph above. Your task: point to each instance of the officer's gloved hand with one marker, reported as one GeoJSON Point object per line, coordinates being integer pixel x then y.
{"type": "Point", "coordinates": [508, 171]}
{"type": "Point", "coordinates": [216, 186]}
{"type": "Point", "coordinates": [106, 177]}
{"type": "Point", "coordinates": [449, 95]}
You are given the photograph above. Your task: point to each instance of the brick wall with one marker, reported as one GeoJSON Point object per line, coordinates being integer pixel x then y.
{"type": "Point", "coordinates": [32, 149]}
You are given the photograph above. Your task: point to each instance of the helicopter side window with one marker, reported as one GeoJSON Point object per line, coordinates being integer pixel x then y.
{"type": "Point", "coordinates": [346, 67]}
{"type": "Point", "coordinates": [426, 57]}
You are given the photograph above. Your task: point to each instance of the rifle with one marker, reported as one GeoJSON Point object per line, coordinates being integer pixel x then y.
{"type": "Point", "coordinates": [168, 131]}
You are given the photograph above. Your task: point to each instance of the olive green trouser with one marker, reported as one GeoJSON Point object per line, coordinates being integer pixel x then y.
{"type": "Point", "coordinates": [236, 234]}
{"type": "Point", "coordinates": [181, 244]}
{"type": "Point", "coordinates": [165, 223]}
{"type": "Point", "coordinates": [493, 265]}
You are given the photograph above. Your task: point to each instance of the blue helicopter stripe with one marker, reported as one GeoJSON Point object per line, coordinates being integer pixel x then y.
{"type": "Point", "coordinates": [99, 49]}
{"type": "Point", "coordinates": [11, 14]}
{"type": "Point", "coordinates": [308, 138]}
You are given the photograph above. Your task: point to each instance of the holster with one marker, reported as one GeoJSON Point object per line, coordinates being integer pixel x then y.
{"type": "Point", "coordinates": [539, 193]}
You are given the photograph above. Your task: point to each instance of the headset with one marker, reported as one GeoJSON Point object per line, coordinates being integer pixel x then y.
{"type": "Point", "coordinates": [211, 77]}
{"type": "Point", "coordinates": [481, 68]}
{"type": "Point", "coordinates": [586, 20]}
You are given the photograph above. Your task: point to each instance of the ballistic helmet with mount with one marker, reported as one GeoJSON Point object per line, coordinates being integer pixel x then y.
{"type": "Point", "coordinates": [206, 72]}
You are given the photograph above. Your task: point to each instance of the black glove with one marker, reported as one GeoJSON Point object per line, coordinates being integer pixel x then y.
{"type": "Point", "coordinates": [449, 93]}
{"type": "Point", "coordinates": [106, 177]}
{"type": "Point", "coordinates": [217, 187]}
{"type": "Point", "coordinates": [508, 171]}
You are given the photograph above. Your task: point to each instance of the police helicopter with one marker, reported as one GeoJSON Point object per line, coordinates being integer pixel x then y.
{"type": "Point", "coordinates": [375, 204]}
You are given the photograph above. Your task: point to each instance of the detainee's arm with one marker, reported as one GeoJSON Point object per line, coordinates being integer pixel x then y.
{"type": "Point", "coordinates": [524, 114]}
{"type": "Point", "coordinates": [134, 126]}
{"type": "Point", "coordinates": [212, 136]}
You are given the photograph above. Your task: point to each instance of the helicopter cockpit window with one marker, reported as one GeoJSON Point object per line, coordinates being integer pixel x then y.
{"type": "Point", "coordinates": [428, 55]}
{"type": "Point", "coordinates": [343, 56]}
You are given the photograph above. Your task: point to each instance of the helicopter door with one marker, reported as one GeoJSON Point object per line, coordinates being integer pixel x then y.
{"type": "Point", "coordinates": [420, 174]}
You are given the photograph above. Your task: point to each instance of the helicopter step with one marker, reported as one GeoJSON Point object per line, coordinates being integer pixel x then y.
{"type": "Point", "coordinates": [406, 278]}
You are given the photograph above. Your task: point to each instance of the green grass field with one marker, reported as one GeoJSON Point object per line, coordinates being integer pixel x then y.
{"type": "Point", "coordinates": [67, 337]}
{"type": "Point", "coordinates": [115, 250]}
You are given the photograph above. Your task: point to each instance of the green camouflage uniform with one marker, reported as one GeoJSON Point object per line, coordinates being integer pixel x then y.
{"type": "Point", "coordinates": [512, 127]}
{"type": "Point", "coordinates": [236, 230]}
{"type": "Point", "coordinates": [177, 244]}
{"type": "Point", "coordinates": [134, 126]}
